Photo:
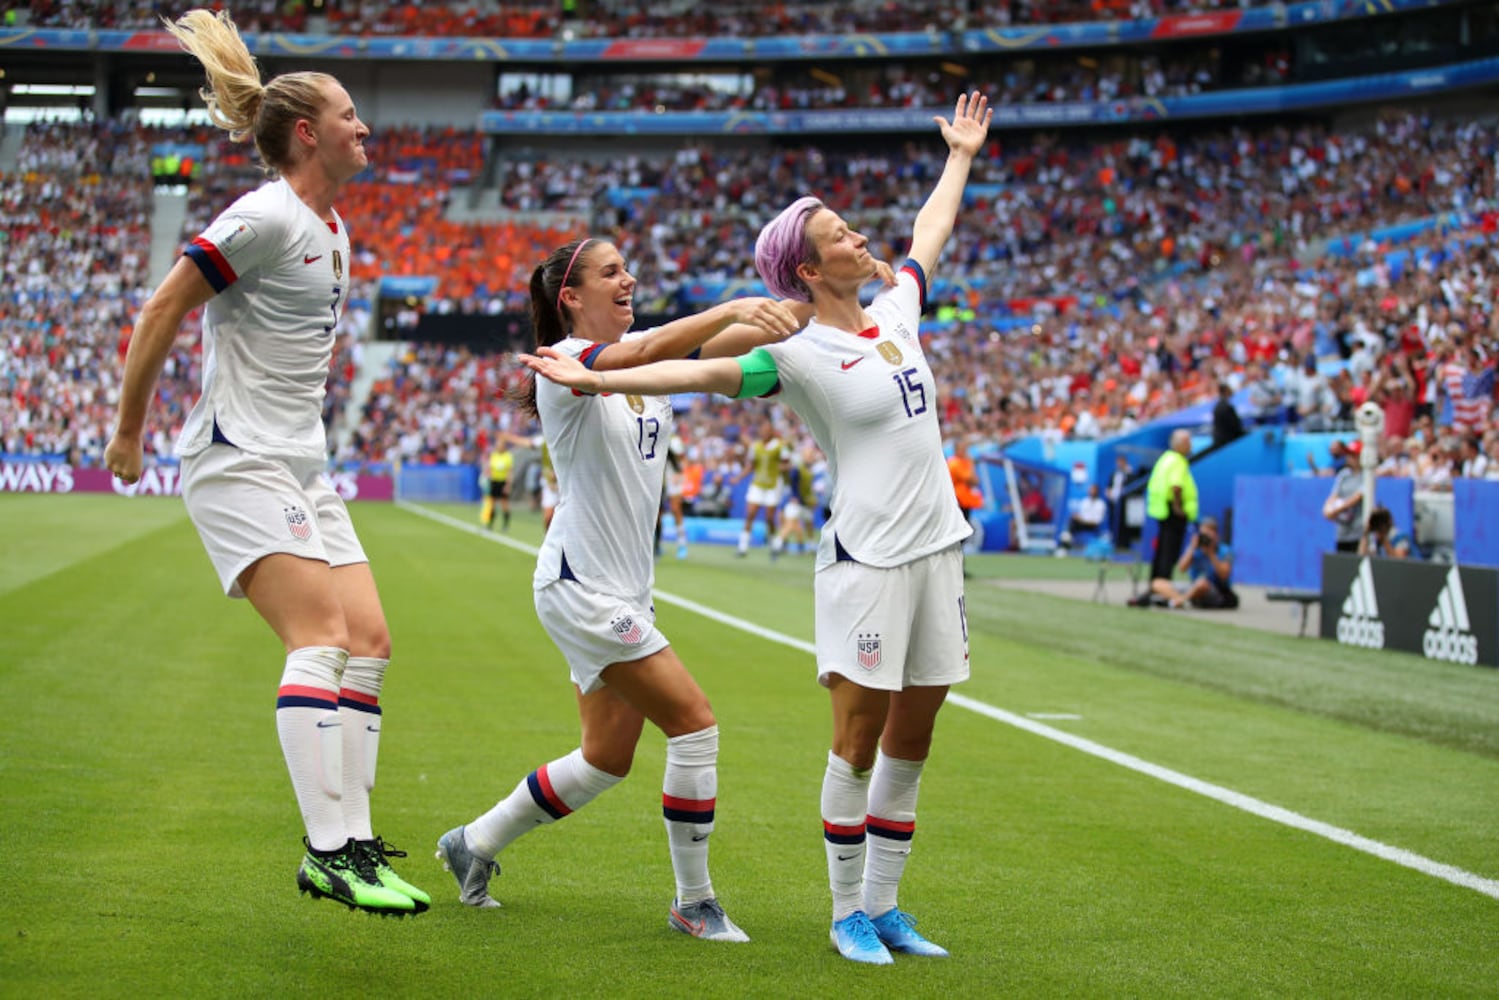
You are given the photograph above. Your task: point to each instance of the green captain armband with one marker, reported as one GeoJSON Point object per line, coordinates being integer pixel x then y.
{"type": "Point", "coordinates": [760, 375]}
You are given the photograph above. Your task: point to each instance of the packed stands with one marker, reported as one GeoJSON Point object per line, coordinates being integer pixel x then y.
{"type": "Point", "coordinates": [487, 18]}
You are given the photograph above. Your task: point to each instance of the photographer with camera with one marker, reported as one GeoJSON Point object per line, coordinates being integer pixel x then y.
{"type": "Point", "coordinates": [1208, 562]}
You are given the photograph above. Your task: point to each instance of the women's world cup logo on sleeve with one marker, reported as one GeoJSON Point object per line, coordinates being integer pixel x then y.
{"type": "Point", "coordinates": [296, 520]}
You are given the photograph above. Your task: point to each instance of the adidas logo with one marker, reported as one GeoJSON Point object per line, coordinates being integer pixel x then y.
{"type": "Point", "coordinates": [1359, 624]}
{"type": "Point", "coordinates": [1448, 635]}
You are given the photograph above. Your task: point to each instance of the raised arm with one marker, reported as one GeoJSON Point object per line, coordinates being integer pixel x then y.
{"type": "Point", "coordinates": [721, 375]}
{"type": "Point", "coordinates": [184, 290]}
{"type": "Point", "coordinates": [965, 136]}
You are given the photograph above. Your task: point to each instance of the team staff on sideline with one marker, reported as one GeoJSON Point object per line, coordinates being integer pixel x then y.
{"type": "Point", "coordinates": [1171, 501]}
{"type": "Point", "coordinates": [272, 271]}
{"type": "Point", "coordinates": [767, 454]}
{"type": "Point", "coordinates": [891, 631]}
{"type": "Point", "coordinates": [594, 575]}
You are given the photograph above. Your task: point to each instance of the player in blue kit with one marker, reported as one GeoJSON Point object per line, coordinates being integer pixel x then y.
{"type": "Point", "coordinates": [595, 571]}
{"type": "Point", "coordinates": [891, 629]}
{"type": "Point", "coordinates": [272, 272]}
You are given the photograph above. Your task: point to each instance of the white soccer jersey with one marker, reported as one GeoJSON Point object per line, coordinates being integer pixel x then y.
{"type": "Point", "coordinates": [870, 401]}
{"type": "Point", "coordinates": [609, 454]}
{"type": "Point", "coordinates": [281, 273]}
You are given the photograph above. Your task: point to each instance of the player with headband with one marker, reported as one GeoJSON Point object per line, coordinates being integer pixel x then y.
{"type": "Point", "coordinates": [892, 635]}
{"type": "Point", "coordinates": [596, 568]}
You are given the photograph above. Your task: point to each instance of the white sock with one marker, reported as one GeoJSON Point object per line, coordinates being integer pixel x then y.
{"type": "Point", "coordinates": [744, 540]}
{"type": "Point", "coordinates": [892, 821]}
{"type": "Point", "coordinates": [311, 740]}
{"type": "Point", "coordinates": [547, 794]}
{"type": "Point", "coordinates": [689, 793]}
{"type": "Point", "coordinates": [359, 710]}
{"type": "Point", "coordinates": [845, 803]}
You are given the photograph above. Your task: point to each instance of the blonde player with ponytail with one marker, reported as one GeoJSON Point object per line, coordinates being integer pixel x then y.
{"type": "Point", "coordinates": [272, 272]}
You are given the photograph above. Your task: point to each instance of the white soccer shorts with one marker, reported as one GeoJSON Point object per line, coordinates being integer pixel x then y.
{"type": "Point", "coordinates": [594, 630]}
{"type": "Point", "coordinates": [246, 507]}
{"type": "Point", "coordinates": [763, 496]}
{"type": "Point", "coordinates": [895, 628]}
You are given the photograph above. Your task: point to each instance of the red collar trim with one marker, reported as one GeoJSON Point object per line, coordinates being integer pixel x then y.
{"type": "Point", "coordinates": [871, 334]}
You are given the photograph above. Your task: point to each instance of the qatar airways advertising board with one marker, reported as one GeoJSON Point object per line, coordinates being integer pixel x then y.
{"type": "Point", "coordinates": [155, 481]}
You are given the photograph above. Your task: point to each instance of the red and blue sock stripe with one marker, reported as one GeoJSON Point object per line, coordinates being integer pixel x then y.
{"type": "Point", "coordinates": [358, 701]}
{"type": "Point", "coordinates": [847, 836]}
{"type": "Point", "coordinates": [680, 810]}
{"type": "Point", "coordinates": [890, 829]}
{"type": "Point", "coordinates": [306, 696]}
{"type": "Point", "coordinates": [546, 797]}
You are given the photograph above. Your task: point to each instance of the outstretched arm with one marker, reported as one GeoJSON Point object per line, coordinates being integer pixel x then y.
{"type": "Point", "coordinates": [183, 290]}
{"type": "Point", "coordinates": [755, 321]}
{"type": "Point", "coordinates": [721, 375]}
{"type": "Point", "coordinates": [965, 136]}
{"type": "Point", "coordinates": [741, 338]}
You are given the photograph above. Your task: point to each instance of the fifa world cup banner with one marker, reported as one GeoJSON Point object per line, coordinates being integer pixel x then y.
{"type": "Point", "coordinates": [155, 481]}
{"type": "Point", "coordinates": [1442, 611]}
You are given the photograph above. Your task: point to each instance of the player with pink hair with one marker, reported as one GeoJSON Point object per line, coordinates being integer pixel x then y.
{"type": "Point", "coordinates": [892, 635]}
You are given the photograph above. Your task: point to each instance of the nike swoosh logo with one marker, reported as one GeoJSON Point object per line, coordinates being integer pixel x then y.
{"type": "Point", "coordinates": [697, 839]}
{"type": "Point", "coordinates": [372, 729]}
{"type": "Point", "coordinates": [847, 857]}
{"type": "Point", "coordinates": [308, 260]}
{"type": "Point", "coordinates": [328, 725]}
{"type": "Point", "coordinates": [849, 364]}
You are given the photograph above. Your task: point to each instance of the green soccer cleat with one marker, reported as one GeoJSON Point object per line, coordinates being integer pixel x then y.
{"type": "Point", "coordinates": [347, 877]}
{"type": "Point", "coordinates": [376, 851]}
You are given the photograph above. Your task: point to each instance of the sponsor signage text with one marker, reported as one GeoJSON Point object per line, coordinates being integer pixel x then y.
{"type": "Point", "coordinates": [1442, 611]}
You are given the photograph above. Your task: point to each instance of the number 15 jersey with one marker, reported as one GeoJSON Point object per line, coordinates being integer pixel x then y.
{"type": "Point", "coordinates": [870, 401]}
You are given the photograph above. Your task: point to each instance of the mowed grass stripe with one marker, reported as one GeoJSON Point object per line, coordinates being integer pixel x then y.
{"type": "Point", "coordinates": [1238, 800]}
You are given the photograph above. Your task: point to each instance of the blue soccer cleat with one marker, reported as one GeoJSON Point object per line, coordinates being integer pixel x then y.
{"type": "Point", "coordinates": [897, 930]}
{"type": "Point", "coordinates": [856, 940]}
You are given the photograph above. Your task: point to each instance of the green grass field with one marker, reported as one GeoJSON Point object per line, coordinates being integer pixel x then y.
{"type": "Point", "coordinates": [152, 836]}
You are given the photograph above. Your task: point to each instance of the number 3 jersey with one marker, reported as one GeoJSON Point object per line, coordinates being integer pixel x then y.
{"type": "Point", "coordinates": [609, 454]}
{"type": "Point", "coordinates": [281, 274]}
{"type": "Point", "coordinates": [870, 400]}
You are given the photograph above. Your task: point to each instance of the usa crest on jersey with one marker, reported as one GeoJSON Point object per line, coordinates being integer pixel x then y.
{"type": "Point", "coordinates": [296, 520]}
{"type": "Point", "coordinates": [869, 651]}
{"type": "Point", "coordinates": [628, 630]}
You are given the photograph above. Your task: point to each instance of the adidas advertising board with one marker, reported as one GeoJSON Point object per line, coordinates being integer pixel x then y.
{"type": "Point", "coordinates": [1443, 612]}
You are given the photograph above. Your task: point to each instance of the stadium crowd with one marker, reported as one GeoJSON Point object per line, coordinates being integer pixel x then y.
{"type": "Point", "coordinates": [1097, 286]}
{"type": "Point", "coordinates": [491, 19]}
{"type": "Point", "coordinates": [1063, 78]}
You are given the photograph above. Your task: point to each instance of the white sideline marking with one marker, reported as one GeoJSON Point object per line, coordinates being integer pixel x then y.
{"type": "Point", "coordinates": [1265, 810]}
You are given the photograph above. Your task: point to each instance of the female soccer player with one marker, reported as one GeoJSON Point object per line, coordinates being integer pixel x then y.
{"type": "Point", "coordinates": [891, 630]}
{"type": "Point", "coordinates": [272, 271]}
{"type": "Point", "coordinates": [594, 575]}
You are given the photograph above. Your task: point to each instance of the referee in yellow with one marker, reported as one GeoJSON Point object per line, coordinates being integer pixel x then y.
{"type": "Point", "coordinates": [501, 464]}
